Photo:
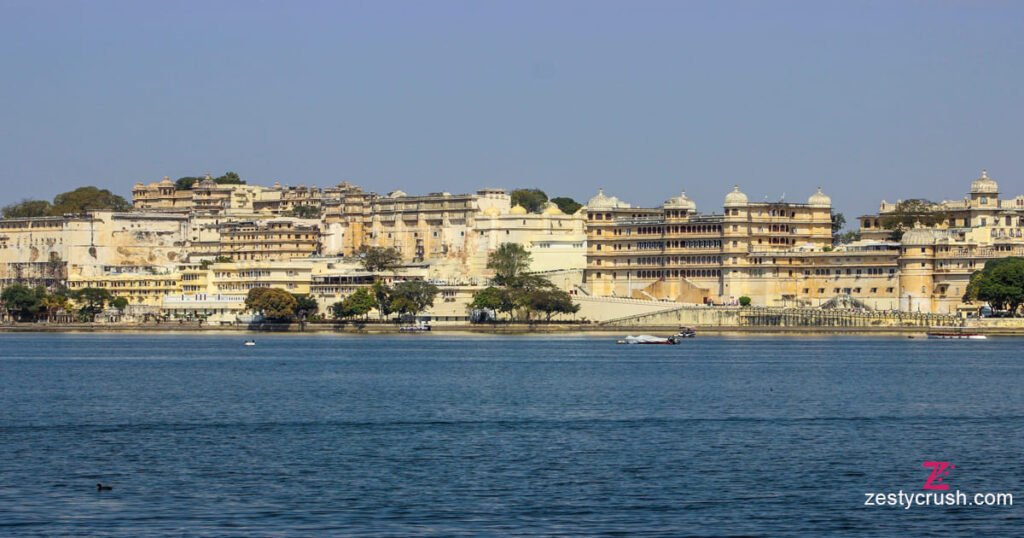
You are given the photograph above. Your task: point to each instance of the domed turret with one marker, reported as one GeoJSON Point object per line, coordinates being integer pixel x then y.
{"type": "Point", "coordinates": [492, 212]}
{"type": "Point", "coordinates": [552, 209]}
{"type": "Point", "coordinates": [397, 194]}
{"type": "Point", "coordinates": [166, 182]}
{"type": "Point", "coordinates": [600, 201]}
{"type": "Point", "coordinates": [819, 199]}
{"type": "Point", "coordinates": [680, 202]}
{"type": "Point", "coordinates": [735, 198]}
{"type": "Point", "coordinates": [518, 210]}
{"type": "Point", "coordinates": [984, 185]}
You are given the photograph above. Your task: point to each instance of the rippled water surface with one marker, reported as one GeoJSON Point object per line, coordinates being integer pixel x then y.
{"type": "Point", "coordinates": [442, 435]}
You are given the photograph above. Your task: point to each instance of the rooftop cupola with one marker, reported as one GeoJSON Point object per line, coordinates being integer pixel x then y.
{"type": "Point", "coordinates": [735, 198]}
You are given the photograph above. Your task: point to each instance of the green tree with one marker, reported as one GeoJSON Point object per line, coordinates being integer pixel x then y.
{"type": "Point", "coordinates": [1000, 283]}
{"type": "Point", "coordinates": [305, 306]}
{"type": "Point", "coordinates": [379, 259]}
{"type": "Point", "coordinates": [304, 212]}
{"type": "Point", "coordinates": [92, 301]}
{"type": "Point", "coordinates": [52, 303]}
{"type": "Point", "coordinates": [186, 183]}
{"type": "Point", "coordinates": [508, 261]}
{"type": "Point", "coordinates": [119, 303]}
{"type": "Point", "coordinates": [838, 223]}
{"type": "Point", "coordinates": [744, 301]}
{"type": "Point", "coordinates": [27, 209]}
{"type": "Point", "coordinates": [567, 205]}
{"type": "Point", "coordinates": [77, 201]}
{"type": "Point", "coordinates": [275, 304]}
{"type": "Point", "coordinates": [205, 264]}
{"type": "Point", "coordinates": [413, 296]}
{"type": "Point", "coordinates": [550, 301]}
{"type": "Point", "coordinates": [493, 298]}
{"type": "Point", "coordinates": [229, 178]}
{"type": "Point", "coordinates": [381, 298]}
{"type": "Point", "coordinates": [22, 302]}
{"type": "Point", "coordinates": [88, 198]}
{"type": "Point", "coordinates": [358, 303]}
{"type": "Point", "coordinates": [907, 212]}
{"type": "Point", "coordinates": [533, 200]}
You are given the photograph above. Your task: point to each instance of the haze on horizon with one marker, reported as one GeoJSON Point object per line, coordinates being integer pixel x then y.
{"type": "Point", "coordinates": [869, 100]}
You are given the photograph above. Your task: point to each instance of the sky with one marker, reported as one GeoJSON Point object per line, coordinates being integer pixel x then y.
{"type": "Point", "coordinates": [870, 100]}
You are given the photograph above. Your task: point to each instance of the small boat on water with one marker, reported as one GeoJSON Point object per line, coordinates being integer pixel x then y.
{"type": "Point", "coordinates": [956, 336]}
{"type": "Point", "coordinates": [420, 326]}
{"type": "Point", "coordinates": [249, 343]}
{"type": "Point", "coordinates": [648, 339]}
{"type": "Point", "coordinates": [684, 332]}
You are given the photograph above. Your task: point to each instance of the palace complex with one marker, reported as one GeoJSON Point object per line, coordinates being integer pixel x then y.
{"type": "Point", "coordinates": [195, 253]}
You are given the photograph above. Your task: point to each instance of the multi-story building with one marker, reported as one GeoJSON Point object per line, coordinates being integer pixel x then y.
{"type": "Point", "coordinates": [419, 227]}
{"type": "Point", "coordinates": [674, 253]}
{"type": "Point", "coordinates": [48, 250]}
{"type": "Point", "coordinates": [936, 261]}
{"type": "Point", "coordinates": [139, 288]}
{"type": "Point", "coordinates": [980, 208]}
{"type": "Point", "coordinates": [162, 196]}
{"type": "Point", "coordinates": [239, 277]}
{"type": "Point", "coordinates": [271, 239]}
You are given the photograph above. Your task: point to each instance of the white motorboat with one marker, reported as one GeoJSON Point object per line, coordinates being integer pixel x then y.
{"type": "Point", "coordinates": [648, 339]}
{"type": "Point", "coordinates": [956, 336]}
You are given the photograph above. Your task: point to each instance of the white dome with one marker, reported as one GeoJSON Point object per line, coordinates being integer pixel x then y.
{"type": "Point", "coordinates": [680, 202]}
{"type": "Point", "coordinates": [600, 201]}
{"type": "Point", "coordinates": [819, 199]}
{"type": "Point", "coordinates": [735, 197]}
{"type": "Point", "coordinates": [984, 185]}
{"type": "Point", "coordinates": [552, 209]}
{"type": "Point", "coordinates": [518, 210]}
{"type": "Point", "coordinates": [397, 194]}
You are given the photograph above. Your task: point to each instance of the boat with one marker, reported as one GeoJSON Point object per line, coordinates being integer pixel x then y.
{"type": "Point", "coordinates": [419, 326]}
{"type": "Point", "coordinates": [956, 336]}
{"type": "Point", "coordinates": [648, 339]}
{"type": "Point", "coordinates": [249, 343]}
{"type": "Point", "coordinates": [686, 332]}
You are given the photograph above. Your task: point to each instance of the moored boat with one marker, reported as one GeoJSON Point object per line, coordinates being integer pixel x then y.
{"type": "Point", "coordinates": [686, 332]}
{"type": "Point", "coordinates": [956, 336]}
{"type": "Point", "coordinates": [648, 340]}
{"type": "Point", "coordinates": [419, 326]}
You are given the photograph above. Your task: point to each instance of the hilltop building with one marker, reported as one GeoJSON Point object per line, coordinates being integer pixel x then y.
{"type": "Point", "coordinates": [196, 253]}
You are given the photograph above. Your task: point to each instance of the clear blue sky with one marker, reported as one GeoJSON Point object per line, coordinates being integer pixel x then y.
{"type": "Point", "coordinates": [870, 100]}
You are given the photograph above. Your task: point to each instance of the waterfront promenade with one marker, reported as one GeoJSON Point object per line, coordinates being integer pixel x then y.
{"type": "Point", "coordinates": [725, 320]}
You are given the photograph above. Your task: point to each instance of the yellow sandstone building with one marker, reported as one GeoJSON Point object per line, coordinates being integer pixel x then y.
{"type": "Point", "coordinates": [197, 253]}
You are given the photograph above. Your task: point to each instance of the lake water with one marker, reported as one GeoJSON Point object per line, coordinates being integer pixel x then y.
{"type": "Point", "coordinates": [434, 434]}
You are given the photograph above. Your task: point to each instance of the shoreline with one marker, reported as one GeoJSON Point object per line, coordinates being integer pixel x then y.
{"type": "Point", "coordinates": [501, 329]}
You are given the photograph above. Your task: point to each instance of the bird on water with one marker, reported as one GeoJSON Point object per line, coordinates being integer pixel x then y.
{"type": "Point", "coordinates": [101, 487]}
